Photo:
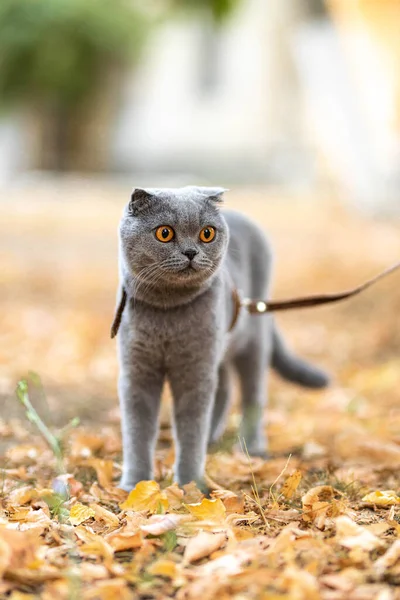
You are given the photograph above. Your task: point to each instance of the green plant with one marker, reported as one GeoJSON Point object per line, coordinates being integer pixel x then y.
{"type": "Point", "coordinates": [219, 9]}
{"type": "Point", "coordinates": [55, 51]}
{"type": "Point", "coordinates": [54, 441]}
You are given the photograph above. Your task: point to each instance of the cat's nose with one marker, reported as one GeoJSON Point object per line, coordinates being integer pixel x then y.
{"type": "Point", "coordinates": [191, 253]}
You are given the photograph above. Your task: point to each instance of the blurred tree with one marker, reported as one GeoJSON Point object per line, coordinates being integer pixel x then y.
{"type": "Point", "coordinates": [219, 9]}
{"type": "Point", "coordinates": [62, 60]}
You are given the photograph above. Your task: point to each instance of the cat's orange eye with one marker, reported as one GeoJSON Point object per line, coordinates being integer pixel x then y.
{"type": "Point", "coordinates": [207, 234]}
{"type": "Point", "coordinates": [165, 233]}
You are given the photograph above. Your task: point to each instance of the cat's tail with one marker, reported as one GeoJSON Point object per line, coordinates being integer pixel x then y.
{"type": "Point", "coordinates": [293, 368]}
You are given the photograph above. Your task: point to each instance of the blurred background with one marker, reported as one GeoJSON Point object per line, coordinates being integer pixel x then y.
{"type": "Point", "coordinates": [293, 104]}
{"type": "Point", "coordinates": [298, 93]}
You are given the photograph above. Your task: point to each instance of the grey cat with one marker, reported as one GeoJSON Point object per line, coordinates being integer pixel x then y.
{"type": "Point", "coordinates": [180, 259]}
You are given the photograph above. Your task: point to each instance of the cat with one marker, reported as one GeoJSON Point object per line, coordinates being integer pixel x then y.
{"type": "Point", "coordinates": [181, 257]}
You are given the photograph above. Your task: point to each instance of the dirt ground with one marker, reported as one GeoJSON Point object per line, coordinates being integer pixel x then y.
{"type": "Point", "coordinates": [58, 278]}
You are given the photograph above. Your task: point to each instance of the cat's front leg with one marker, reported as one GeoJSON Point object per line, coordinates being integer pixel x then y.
{"type": "Point", "coordinates": [221, 404]}
{"type": "Point", "coordinates": [140, 386]}
{"type": "Point", "coordinates": [193, 388]}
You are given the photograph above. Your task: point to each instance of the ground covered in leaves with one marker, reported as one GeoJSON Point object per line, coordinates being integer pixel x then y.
{"type": "Point", "coordinates": [320, 520]}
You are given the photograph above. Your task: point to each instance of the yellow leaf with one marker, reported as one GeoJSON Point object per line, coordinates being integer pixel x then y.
{"type": "Point", "coordinates": [102, 514]}
{"type": "Point", "coordinates": [291, 484]}
{"type": "Point", "coordinates": [80, 513]}
{"type": "Point", "coordinates": [108, 590]}
{"type": "Point", "coordinates": [124, 540]}
{"type": "Point", "coordinates": [22, 495]}
{"type": "Point", "coordinates": [208, 510]}
{"type": "Point", "coordinates": [203, 544]}
{"type": "Point", "coordinates": [384, 498]}
{"type": "Point", "coordinates": [103, 468]}
{"type": "Point", "coordinates": [146, 496]}
{"type": "Point", "coordinates": [94, 544]}
{"type": "Point", "coordinates": [164, 568]}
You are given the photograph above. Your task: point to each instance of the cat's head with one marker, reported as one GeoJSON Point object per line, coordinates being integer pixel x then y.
{"type": "Point", "coordinates": [173, 237]}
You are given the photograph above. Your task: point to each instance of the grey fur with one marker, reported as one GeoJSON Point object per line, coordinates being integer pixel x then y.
{"type": "Point", "coordinates": [175, 326]}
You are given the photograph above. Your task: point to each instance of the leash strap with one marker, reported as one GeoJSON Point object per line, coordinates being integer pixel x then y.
{"type": "Point", "coordinates": [259, 307]}
{"type": "Point", "coordinates": [118, 313]}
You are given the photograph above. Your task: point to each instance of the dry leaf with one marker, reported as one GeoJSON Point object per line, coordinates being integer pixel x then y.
{"type": "Point", "coordinates": [174, 495]}
{"type": "Point", "coordinates": [159, 524]}
{"type": "Point", "coordinates": [233, 503]}
{"type": "Point", "coordinates": [203, 544]}
{"type": "Point", "coordinates": [93, 544]}
{"type": "Point", "coordinates": [385, 498]}
{"type": "Point", "coordinates": [191, 493]}
{"type": "Point", "coordinates": [84, 444]}
{"type": "Point", "coordinates": [350, 535]}
{"type": "Point", "coordinates": [22, 495]}
{"type": "Point", "coordinates": [103, 468]}
{"type": "Point", "coordinates": [390, 558]}
{"type": "Point", "coordinates": [164, 568]}
{"type": "Point", "coordinates": [146, 496]}
{"type": "Point", "coordinates": [108, 590]}
{"type": "Point", "coordinates": [320, 502]}
{"type": "Point", "coordinates": [208, 510]}
{"type": "Point", "coordinates": [17, 550]}
{"type": "Point", "coordinates": [124, 539]}
{"type": "Point", "coordinates": [291, 484]}
{"type": "Point", "coordinates": [80, 513]}
{"type": "Point", "coordinates": [102, 514]}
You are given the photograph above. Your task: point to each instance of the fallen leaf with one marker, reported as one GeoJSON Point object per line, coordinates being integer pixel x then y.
{"type": "Point", "coordinates": [390, 558]}
{"type": "Point", "coordinates": [159, 524]}
{"type": "Point", "coordinates": [16, 595]}
{"type": "Point", "coordinates": [191, 493]}
{"type": "Point", "coordinates": [22, 495]}
{"type": "Point", "coordinates": [102, 514]}
{"type": "Point", "coordinates": [124, 540]}
{"type": "Point", "coordinates": [203, 544]}
{"type": "Point", "coordinates": [321, 502]}
{"type": "Point", "coordinates": [351, 535]}
{"type": "Point", "coordinates": [146, 496]}
{"type": "Point", "coordinates": [103, 468]}
{"type": "Point", "coordinates": [108, 590]}
{"type": "Point", "coordinates": [93, 544]}
{"type": "Point", "coordinates": [208, 510]}
{"type": "Point", "coordinates": [80, 513]}
{"type": "Point", "coordinates": [174, 495]}
{"type": "Point", "coordinates": [233, 503]}
{"type": "Point", "coordinates": [83, 444]}
{"type": "Point", "coordinates": [291, 484]}
{"type": "Point", "coordinates": [17, 549]}
{"type": "Point", "coordinates": [384, 498]}
{"type": "Point", "coordinates": [164, 568]}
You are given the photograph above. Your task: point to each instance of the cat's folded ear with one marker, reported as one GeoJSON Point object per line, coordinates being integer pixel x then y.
{"type": "Point", "coordinates": [141, 201]}
{"type": "Point", "coordinates": [213, 193]}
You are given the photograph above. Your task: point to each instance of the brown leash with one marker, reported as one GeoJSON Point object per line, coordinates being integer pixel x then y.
{"type": "Point", "coordinates": [259, 307]}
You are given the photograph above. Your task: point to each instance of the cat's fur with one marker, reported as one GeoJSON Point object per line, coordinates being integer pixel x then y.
{"type": "Point", "coordinates": [176, 326]}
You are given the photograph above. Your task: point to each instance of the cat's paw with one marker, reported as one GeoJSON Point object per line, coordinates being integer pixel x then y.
{"type": "Point", "coordinates": [127, 484]}
{"type": "Point", "coordinates": [122, 485]}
